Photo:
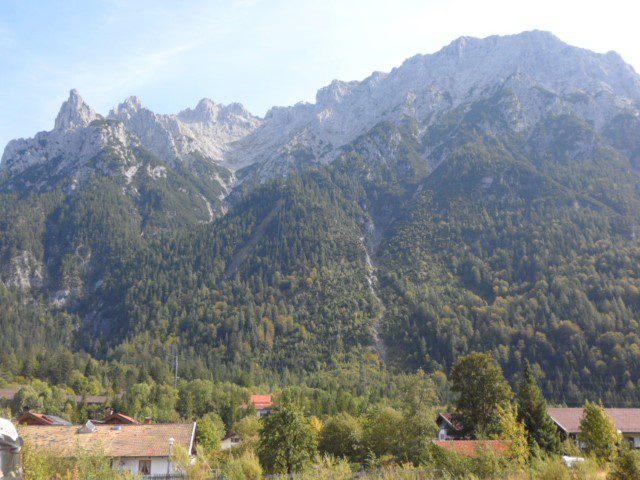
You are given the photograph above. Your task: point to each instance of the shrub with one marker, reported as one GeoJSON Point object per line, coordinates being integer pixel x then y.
{"type": "Point", "coordinates": [245, 467]}
{"type": "Point", "coordinates": [626, 466]}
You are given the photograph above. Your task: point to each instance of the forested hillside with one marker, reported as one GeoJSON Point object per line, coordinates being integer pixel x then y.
{"type": "Point", "coordinates": [503, 220]}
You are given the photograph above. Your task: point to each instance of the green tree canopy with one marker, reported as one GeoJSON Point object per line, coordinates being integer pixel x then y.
{"type": "Point", "coordinates": [482, 391]}
{"type": "Point", "coordinates": [598, 433]}
{"type": "Point", "coordinates": [287, 441]}
{"type": "Point", "coordinates": [341, 436]}
{"type": "Point", "coordinates": [383, 430]}
{"type": "Point", "coordinates": [210, 430]}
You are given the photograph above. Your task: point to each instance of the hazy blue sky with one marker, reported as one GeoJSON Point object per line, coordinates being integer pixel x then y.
{"type": "Point", "coordinates": [258, 52]}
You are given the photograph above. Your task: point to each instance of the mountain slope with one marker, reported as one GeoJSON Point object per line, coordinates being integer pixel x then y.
{"type": "Point", "coordinates": [485, 197]}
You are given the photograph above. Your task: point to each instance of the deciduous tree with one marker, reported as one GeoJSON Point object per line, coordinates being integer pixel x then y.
{"type": "Point", "coordinates": [287, 441]}
{"type": "Point", "coordinates": [482, 391]}
{"type": "Point", "coordinates": [598, 433]}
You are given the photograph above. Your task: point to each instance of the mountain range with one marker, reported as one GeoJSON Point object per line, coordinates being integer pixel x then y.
{"type": "Point", "coordinates": [484, 197]}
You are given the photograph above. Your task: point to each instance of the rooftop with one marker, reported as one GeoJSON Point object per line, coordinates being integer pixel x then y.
{"type": "Point", "coordinates": [260, 402]}
{"type": "Point", "coordinates": [42, 419]}
{"type": "Point", "coordinates": [450, 418]}
{"type": "Point", "coordinates": [627, 420]}
{"type": "Point", "coordinates": [113, 441]}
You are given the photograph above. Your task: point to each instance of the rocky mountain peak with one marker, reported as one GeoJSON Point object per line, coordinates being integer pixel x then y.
{"type": "Point", "coordinates": [334, 92]}
{"type": "Point", "coordinates": [74, 113]}
{"type": "Point", "coordinates": [206, 111]}
{"type": "Point", "coordinates": [131, 106]}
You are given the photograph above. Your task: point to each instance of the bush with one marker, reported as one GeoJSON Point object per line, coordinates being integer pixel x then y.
{"type": "Point", "coordinates": [41, 465]}
{"type": "Point", "coordinates": [341, 436]}
{"type": "Point", "coordinates": [626, 466]}
{"type": "Point", "coordinates": [245, 467]}
{"type": "Point", "coordinates": [328, 467]}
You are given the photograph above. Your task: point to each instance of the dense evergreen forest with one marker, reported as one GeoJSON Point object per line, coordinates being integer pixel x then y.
{"type": "Point", "coordinates": [378, 264]}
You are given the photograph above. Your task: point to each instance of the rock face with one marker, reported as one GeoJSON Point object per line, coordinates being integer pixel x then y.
{"type": "Point", "coordinates": [542, 74]}
{"type": "Point", "coordinates": [79, 136]}
{"type": "Point", "coordinates": [531, 75]}
{"type": "Point", "coordinates": [23, 272]}
{"type": "Point", "coordinates": [74, 114]}
{"type": "Point", "coordinates": [205, 133]}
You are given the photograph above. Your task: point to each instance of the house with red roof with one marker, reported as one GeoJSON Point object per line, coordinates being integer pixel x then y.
{"type": "Point", "coordinates": [626, 420]}
{"type": "Point", "coordinates": [262, 403]}
{"type": "Point", "coordinates": [116, 418]}
{"type": "Point", "coordinates": [29, 417]}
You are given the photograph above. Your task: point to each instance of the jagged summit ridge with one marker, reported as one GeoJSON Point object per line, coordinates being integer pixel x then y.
{"type": "Point", "coordinates": [422, 89]}
{"type": "Point", "coordinates": [74, 113]}
{"type": "Point", "coordinates": [426, 86]}
{"type": "Point", "coordinates": [205, 131]}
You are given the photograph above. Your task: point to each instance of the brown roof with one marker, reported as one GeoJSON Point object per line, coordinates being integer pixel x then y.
{"type": "Point", "coordinates": [627, 420]}
{"type": "Point", "coordinates": [9, 393]}
{"type": "Point", "coordinates": [450, 418]}
{"type": "Point", "coordinates": [119, 419]}
{"type": "Point", "coordinates": [115, 442]}
{"type": "Point", "coordinates": [35, 418]}
{"type": "Point", "coordinates": [471, 448]}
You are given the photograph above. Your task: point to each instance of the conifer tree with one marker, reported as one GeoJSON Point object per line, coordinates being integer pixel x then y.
{"type": "Point", "coordinates": [532, 411]}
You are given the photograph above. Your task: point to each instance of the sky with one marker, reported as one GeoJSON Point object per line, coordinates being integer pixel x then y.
{"type": "Point", "coordinates": [261, 53]}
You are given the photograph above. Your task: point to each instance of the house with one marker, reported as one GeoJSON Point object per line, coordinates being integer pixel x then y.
{"type": "Point", "coordinates": [472, 448]}
{"type": "Point", "coordinates": [449, 428]}
{"type": "Point", "coordinates": [230, 440]}
{"type": "Point", "coordinates": [8, 393]}
{"type": "Point", "coordinates": [140, 449]}
{"type": "Point", "coordinates": [116, 418]}
{"type": "Point", "coordinates": [29, 417]}
{"type": "Point", "coordinates": [262, 403]}
{"type": "Point", "coordinates": [626, 420]}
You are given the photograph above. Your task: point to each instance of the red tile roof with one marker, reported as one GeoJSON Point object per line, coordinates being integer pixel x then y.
{"type": "Point", "coordinates": [472, 448]}
{"type": "Point", "coordinates": [119, 419]}
{"type": "Point", "coordinates": [260, 402]}
{"type": "Point", "coordinates": [113, 441]}
{"type": "Point", "coordinates": [627, 420]}
{"type": "Point", "coordinates": [36, 418]}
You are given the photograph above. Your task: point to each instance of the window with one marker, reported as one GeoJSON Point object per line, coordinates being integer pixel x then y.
{"type": "Point", "coordinates": [144, 467]}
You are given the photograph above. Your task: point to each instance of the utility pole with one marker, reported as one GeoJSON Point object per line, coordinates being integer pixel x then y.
{"type": "Point", "coordinates": [174, 354]}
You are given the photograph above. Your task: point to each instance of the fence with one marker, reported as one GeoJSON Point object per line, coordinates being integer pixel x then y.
{"type": "Point", "coordinates": [164, 476]}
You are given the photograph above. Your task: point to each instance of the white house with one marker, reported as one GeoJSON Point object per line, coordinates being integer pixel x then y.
{"type": "Point", "coordinates": [230, 440]}
{"type": "Point", "coordinates": [143, 449]}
